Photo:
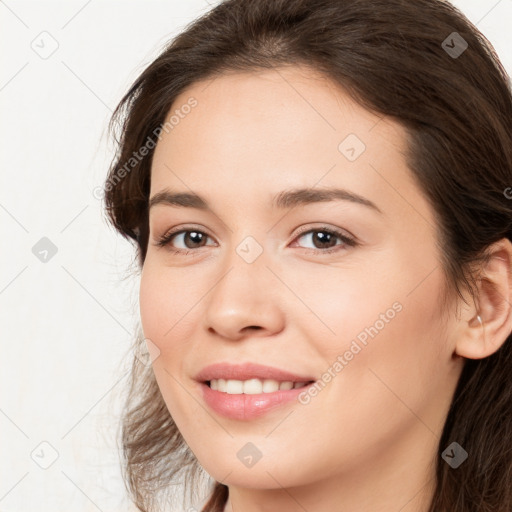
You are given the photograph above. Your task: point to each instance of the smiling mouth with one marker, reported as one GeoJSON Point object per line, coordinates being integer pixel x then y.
{"type": "Point", "coordinates": [253, 386]}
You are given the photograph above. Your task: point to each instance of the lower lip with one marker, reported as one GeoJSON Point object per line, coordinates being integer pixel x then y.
{"type": "Point", "coordinates": [247, 407]}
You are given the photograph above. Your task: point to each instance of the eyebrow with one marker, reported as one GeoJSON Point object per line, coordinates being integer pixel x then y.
{"type": "Point", "coordinates": [285, 199]}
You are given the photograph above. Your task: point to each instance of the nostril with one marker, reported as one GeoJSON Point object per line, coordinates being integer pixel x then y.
{"type": "Point", "coordinates": [257, 327]}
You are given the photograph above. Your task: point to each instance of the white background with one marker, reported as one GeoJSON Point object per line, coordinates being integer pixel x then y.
{"type": "Point", "coordinates": [67, 323]}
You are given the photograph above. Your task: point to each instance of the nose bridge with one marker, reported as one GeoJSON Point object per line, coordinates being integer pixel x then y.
{"type": "Point", "coordinates": [240, 298]}
{"type": "Point", "coordinates": [245, 274]}
{"type": "Point", "coordinates": [245, 265]}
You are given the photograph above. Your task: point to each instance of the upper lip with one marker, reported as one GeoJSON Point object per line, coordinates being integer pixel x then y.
{"type": "Point", "coordinates": [248, 371]}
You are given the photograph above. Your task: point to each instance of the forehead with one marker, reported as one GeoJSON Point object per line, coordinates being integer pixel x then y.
{"type": "Point", "coordinates": [282, 106]}
{"type": "Point", "coordinates": [276, 129]}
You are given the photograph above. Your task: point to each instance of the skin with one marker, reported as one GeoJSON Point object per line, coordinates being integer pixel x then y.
{"type": "Point", "coordinates": [368, 440]}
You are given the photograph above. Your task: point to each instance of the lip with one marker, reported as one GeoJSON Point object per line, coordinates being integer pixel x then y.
{"type": "Point", "coordinates": [248, 407]}
{"type": "Point", "coordinates": [248, 371]}
{"type": "Point", "coordinates": [242, 406]}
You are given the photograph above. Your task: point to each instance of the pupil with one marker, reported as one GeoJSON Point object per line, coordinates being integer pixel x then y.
{"type": "Point", "coordinates": [190, 236]}
{"type": "Point", "coordinates": [321, 237]}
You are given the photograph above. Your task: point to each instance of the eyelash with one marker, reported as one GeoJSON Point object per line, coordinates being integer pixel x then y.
{"type": "Point", "coordinates": [165, 240]}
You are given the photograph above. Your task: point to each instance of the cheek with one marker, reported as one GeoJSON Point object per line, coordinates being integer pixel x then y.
{"type": "Point", "coordinates": [163, 308]}
{"type": "Point", "coordinates": [152, 303]}
{"type": "Point", "coordinates": [399, 366]}
{"type": "Point", "coordinates": [390, 383]}
{"type": "Point", "coordinates": [379, 324]}
{"type": "Point", "coordinates": [340, 303]}
{"type": "Point", "coordinates": [167, 320]}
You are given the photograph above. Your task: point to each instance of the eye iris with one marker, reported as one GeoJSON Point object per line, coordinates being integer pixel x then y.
{"type": "Point", "coordinates": [190, 235]}
{"type": "Point", "coordinates": [323, 237]}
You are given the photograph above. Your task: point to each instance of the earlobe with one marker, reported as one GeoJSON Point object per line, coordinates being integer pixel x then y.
{"type": "Point", "coordinates": [488, 326]}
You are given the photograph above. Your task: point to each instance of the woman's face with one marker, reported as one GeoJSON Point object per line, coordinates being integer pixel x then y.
{"type": "Point", "coordinates": [272, 278]}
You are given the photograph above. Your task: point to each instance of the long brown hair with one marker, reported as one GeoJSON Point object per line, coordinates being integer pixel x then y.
{"type": "Point", "coordinates": [425, 65]}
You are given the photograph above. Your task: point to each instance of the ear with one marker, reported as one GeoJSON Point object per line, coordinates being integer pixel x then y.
{"type": "Point", "coordinates": [494, 296]}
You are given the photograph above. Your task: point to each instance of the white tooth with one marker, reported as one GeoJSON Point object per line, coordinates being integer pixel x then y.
{"type": "Point", "coordinates": [234, 387]}
{"type": "Point", "coordinates": [270, 386]}
{"type": "Point", "coordinates": [221, 385]}
{"type": "Point", "coordinates": [253, 387]}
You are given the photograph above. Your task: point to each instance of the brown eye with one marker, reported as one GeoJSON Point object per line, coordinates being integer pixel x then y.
{"type": "Point", "coordinates": [192, 238]}
{"type": "Point", "coordinates": [326, 240]}
{"type": "Point", "coordinates": [323, 239]}
{"type": "Point", "coordinates": [189, 239]}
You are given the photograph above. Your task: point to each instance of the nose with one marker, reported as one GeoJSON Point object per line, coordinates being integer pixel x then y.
{"type": "Point", "coordinates": [246, 300]}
